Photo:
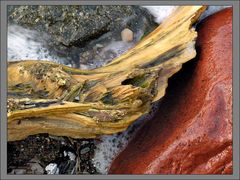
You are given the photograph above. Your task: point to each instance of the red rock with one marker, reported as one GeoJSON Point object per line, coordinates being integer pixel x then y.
{"type": "Point", "coordinates": [192, 131]}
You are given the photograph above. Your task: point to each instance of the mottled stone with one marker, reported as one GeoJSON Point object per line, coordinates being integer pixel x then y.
{"type": "Point", "coordinates": [192, 131]}
{"type": "Point", "coordinates": [68, 29]}
{"type": "Point", "coordinates": [70, 24]}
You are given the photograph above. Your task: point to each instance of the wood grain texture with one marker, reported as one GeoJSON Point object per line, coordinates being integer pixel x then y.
{"type": "Point", "coordinates": [45, 97]}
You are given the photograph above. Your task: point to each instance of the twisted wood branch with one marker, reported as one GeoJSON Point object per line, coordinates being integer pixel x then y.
{"type": "Point", "coordinates": [45, 97]}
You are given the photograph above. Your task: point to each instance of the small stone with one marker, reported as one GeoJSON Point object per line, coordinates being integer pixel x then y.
{"type": "Point", "coordinates": [64, 153]}
{"type": "Point", "coordinates": [127, 35]}
{"type": "Point", "coordinates": [99, 46]}
{"type": "Point", "coordinates": [52, 168]}
{"type": "Point", "coordinates": [18, 171]}
{"type": "Point", "coordinates": [85, 150]}
{"type": "Point", "coordinates": [85, 142]}
{"type": "Point", "coordinates": [71, 156]}
{"type": "Point", "coordinates": [36, 168]}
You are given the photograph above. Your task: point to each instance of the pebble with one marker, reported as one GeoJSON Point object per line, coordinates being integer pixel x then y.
{"type": "Point", "coordinates": [71, 156]}
{"type": "Point", "coordinates": [18, 171]}
{"type": "Point", "coordinates": [85, 150]}
{"type": "Point", "coordinates": [52, 168]}
{"type": "Point", "coordinates": [99, 46]}
{"type": "Point", "coordinates": [127, 35]}
{"type": "Point", "coordinates": [36, 168]}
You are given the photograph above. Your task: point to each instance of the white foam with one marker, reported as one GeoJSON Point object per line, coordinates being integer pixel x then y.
{"type": "Point", "coordinates": [210, 10]}
{"type": "Point", "coordinates": [160, 12]}
{"type": "Point", "coordinates": [118, 46]}
{"type": "Point", "coordinates": [25, 44]}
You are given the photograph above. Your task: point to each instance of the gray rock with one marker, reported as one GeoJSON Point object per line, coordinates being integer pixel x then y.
{"type": "Point", "coordinates": [71, 29]}
{"type": "Point", "coordinates": [71, 25]}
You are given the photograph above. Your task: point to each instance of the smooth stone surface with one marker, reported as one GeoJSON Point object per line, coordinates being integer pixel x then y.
{"type": "Point", "coordinates": [127, 35]}
{"type": "Point", "coordinates": [192, 132]}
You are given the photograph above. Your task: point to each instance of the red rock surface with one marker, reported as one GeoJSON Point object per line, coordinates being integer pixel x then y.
{"type": "Point", "coordinates": [192, 131]}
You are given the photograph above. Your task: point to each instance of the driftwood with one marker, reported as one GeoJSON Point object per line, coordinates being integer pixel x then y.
{"type": "Point", "coordinates": [45, 97]}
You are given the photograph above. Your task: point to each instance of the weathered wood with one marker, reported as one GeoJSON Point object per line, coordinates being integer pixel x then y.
{"type": "Point", "coordinates": [45, 97]}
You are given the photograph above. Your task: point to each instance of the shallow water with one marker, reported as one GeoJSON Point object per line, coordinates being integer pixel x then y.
{"type": "Point", "coordinates": [25, 44]}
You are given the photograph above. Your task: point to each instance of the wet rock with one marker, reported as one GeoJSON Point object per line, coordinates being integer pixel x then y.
{"type": "Point", "coordinates": [70, 24]}
{"type": "Point", "coordinates": [192, 131]}
{"type": "Point", "coordinates": [103, 49]}
{"type": "Point", "coordinates": [70, 28]}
